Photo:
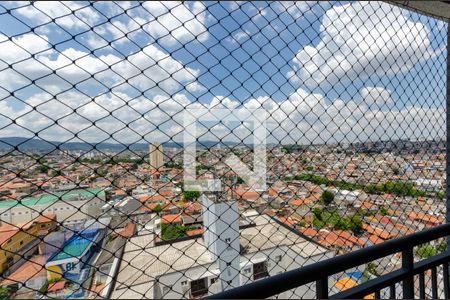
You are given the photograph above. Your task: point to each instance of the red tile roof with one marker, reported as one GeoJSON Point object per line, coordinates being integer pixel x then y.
{"type": "Point", "coordinates": [426, 218]}
{"type": "Point", "coordinates": [57, 286]}
{"type": "Point", "coordinates": [171, 219]}
{"type": "Point", "coordinates": [378, 232]}
{"type": "Point", "coordinates": [194, 232]}
{"type": "Point", "coordinates": [31, 268]}
{"type": "Point", "coordinates": [128, 230]}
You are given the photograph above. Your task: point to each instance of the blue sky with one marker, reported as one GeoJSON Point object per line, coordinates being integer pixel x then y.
{"type": "Point", "coordinates": [325, 71]}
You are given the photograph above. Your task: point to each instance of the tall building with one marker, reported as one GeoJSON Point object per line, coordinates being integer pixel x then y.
{"type": "Point", "coordinates": [156, 156]}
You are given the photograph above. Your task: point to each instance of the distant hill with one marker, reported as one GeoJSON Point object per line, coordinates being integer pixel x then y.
{"type": "Point", "coordinates": [26, 144]}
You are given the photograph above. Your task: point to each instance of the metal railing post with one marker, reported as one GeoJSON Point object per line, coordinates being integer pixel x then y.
{"type": "Point", "coordinates": [322, 288]}
{"type": "Point", "coordinates": [408, 265]}
{"type": "Point", "coordinates": [447, 151]}
{"type": "Point", "coordinates": [447, 148]}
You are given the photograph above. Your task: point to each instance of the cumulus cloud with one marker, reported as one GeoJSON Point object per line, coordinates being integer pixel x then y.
{"type": "Point", "coordinates": [239, 36]}
{"type": "Point", "coordinates": [378, 96]}
{"type": "Point", "coordinates": [70, 14]}
{"type": "Point", "coordinates": [360, 39]}
{"type": "Point", "coordinates": [149, 69]}
{"type": "Point", "coordinates": [177, 22]}
{"type": "Point", "coordinates": [172, 22]}
{"type": "Point", "coordinates": [357, 42]}
{"type": "Point", "coordinates": [301, 118]}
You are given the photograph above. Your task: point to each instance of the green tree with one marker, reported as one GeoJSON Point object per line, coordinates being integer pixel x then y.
{"type": "Point", "coordinates": [426, 251]}
{"type": "Point", "coordinates": [157, 209]}
{"type": "Point", "coordinates": [56, 173]}
{"type": "Point", "coordinates": [172, 231]}
{"type": "Point", "coordinates": [372, 268]}
{"type": "Point", "coordinates": [442, 246]}
{"type": "Point", "coordinates": [41, 169]}
{"type": "Point", "coordinates": [327, 197]}
{"type": "Point", "coordinates": [356, 224]}
{"type": "Point", "coordinates": [4, 293]}
{"type": "Point", "coordinates": [383, 211]}
{"type": "Point", "coordinates": [191, 195]}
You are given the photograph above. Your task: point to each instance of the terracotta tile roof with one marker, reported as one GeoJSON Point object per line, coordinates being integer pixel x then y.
{"type": "Point", "coordinates": [272, 192]}
{"type": "Point", "coordinates": [426, 218]}
{"type": "Point", "coordinates": [128, 230]}
{"type": "Point", "coordinates": [405, 229]}
{"type": "Point", "coordinates": [171, 219]}
{"type": "Point", "coordinates": [378, 232]}
{"type": "Point", "coordinates": [374, 239]}
{"type": "Point", "coordinates": [367, 205]}
{"type": "Point", "coordinates": [349, 237]}
{"type": "Point", "coordinates": [385, 220]}
{"type": "Point", "coordinates": [194, 232]}
{"type": "Point", "coordinates": [314, 189]}
{"type": "Point", "coordinates": [270, 212]}
{"type": "Point", "coordinates": [288, 221]}
{"type": "Point", "coordinates": [119, 192]}
{"type": "Point", "coordinates": [331, 239]}
{"type": "Point", "coordinates": [192, 207]}
{"type": "Point", "coordinates": [309, 232]}
{"type": "Point", "coordinates": [154, 198]}
{"type": "Point", "coordinates": [31, 268]}
{"type": "Point", "coordinates": [166, 193]}
{"type": "Point", "coordinates": [46, 218]}
{"type": "Point", "coordinates": [57, 286]}
{"type": "Point", "coordinates": [8, 230]}
{"type": "Point", "coordinates": [247, 195]}
{"type": "Point", "coordinates": [297, 202]}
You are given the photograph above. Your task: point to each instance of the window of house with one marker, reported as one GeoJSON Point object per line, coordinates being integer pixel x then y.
{"type": "Point", "coordinates": [21, 243]}
{"type": "Point", "coordinates": [199, 287]}
{"type": "Point", "coordinates": [260, 270]}
{"type": "Point", "coordinates": [184, 283]}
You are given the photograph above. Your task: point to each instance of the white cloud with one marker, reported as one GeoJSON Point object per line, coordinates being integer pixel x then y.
{"type": "Point", "coordinates": [295, 8]}
{"type": "Point", "coordinates": [69, 14]}
{"type": "Point", "coordinates": [150, 69]}
{"type": "Point", "coordinates": [176, 22]}
{"type": "Point", "coordinates": [301, 118]}
{"type": "Point", "coordinates": [378, 96]}
{"type": "Point", "coordinates": [360, 39]}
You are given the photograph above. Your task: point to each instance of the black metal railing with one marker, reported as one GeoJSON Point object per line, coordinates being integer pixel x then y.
{"type": "Point", "coordinates": [320, 272]}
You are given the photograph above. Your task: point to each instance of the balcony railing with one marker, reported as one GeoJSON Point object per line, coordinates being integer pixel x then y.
{"type": "Point", "coordinates": [320, 273]}
{"type": "Point", "coordinates": [224, 149]}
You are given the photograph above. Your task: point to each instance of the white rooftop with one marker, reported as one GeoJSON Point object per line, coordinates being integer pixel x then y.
{"type": "Point", "coordinates": [143, 263]}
